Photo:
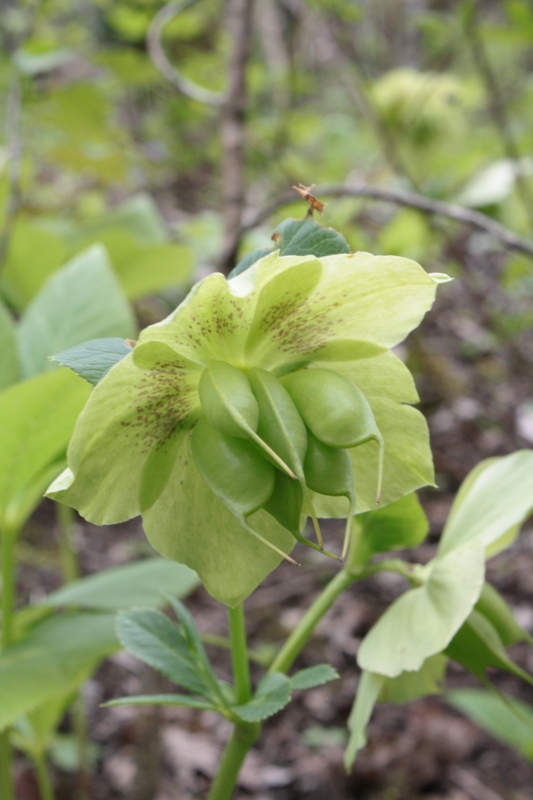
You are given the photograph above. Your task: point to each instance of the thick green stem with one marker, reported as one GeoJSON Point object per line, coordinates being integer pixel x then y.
{"type": "Point", "coordinates": [43, 777]}
{"type": "Point", "coordinates": [8, 602]}
{"type": "Point", "coordinates": [304, 630]}
{"type": "Point", "coordinates": [239, 654]}
{"type": "Point", "coordinates": [243, 738]}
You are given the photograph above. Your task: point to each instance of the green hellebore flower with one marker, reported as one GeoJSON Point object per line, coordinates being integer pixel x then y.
{"type": "Point", "coordinates": [131, 454]}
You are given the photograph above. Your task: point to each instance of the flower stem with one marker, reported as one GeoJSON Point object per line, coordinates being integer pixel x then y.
{"type": "Point", "coordinates": [239, 654]}
{"type": "Point", "coordinates": [304, 630]}
{"type": "Point", "coordinates": [244, 734]}
{"type": "Point", "coordinates": [8, 538]}
{"type": "Point", "coordinates": [43, 777]}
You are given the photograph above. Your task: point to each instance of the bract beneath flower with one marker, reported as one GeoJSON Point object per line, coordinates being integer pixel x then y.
{"type": "Point", "coordinates": [131, 450]}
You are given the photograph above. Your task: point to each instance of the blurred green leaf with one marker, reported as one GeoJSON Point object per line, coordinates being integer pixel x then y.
{"type": "Point", "coordinates": [495, 497]}
{"type": "Point", "coordinates": [143, 583]}
{"type": "Point", "coordinates": [54, 657]}
{"type": "Point", "coordinates": [492, 605]}
{"type": "Point", "coordinates": [507, 719]}
{"type": "Point", "coordinates": [81, 301]}
{"type": "Point", "coordinates": [9, 362]}
{"type": "Point", "coordinates": [38, 417]}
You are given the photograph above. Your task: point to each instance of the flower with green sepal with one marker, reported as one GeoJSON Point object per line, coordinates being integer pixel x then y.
{"type": "Point", "coordinates": [133, 448]}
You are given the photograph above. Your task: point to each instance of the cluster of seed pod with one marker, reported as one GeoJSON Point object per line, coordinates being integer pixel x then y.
{"type": "Point", "coordinates": [264, 442]}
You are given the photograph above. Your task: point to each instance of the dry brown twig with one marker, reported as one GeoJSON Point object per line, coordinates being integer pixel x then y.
{"type": "Point", "coordinates": [470, 217]}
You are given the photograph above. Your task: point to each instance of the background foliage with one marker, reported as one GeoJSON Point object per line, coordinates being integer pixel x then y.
{"type": "Point", "coordinates": [115, 195]}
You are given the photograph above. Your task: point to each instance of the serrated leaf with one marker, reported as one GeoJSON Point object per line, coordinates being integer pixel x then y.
{"type": "Point", "coordinates": [273, 693]}
{"type": "Point", "coordinates": [82, 300]}
{"type": "Point", "coordinates": [53, 658]}
{"type": "Point", "coordinates": [423, 621]}
{"type": "Point", "coordinates": [93, 359]}
{"type": "Point", "coordinates": [143, 583]}
{"type": "Point", "coordinates": [182, 700]}
{"type": "Point", "coordinates": [196, 647]}
{"type": "Point", "coordinates": [248, 260]}
{"type": "Point", "coordinates": [313, 676]}
{"type": "Point", "coordinates": [366, 698]}
{"type": "Point", "coordinates": [506, 718]}
{"type": "Point", "coordinates": [156, 640]}
{"type": "Point", "coordinates": [303, 237]}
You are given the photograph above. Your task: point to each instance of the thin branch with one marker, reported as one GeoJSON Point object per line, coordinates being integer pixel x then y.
{"type": "Point", "coordinates": [233, 130]}
{"type": "Point", "coordinates": [159, 57]}
{"type": "Point", "coordinates": [14, 159]}
{"type": "Point", "coordinates": [497, 107]}
{"type": "Point", "coordinates": [467, 216]}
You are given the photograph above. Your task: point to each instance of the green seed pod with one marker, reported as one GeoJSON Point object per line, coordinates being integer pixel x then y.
{"type": "Point", "coordinates": [281, 427]}
{"type": "Point", "coordinates": [227, 400]}
{"type": "Point", "coordinates": [235, 472]}
{"type": "Point", "coordinates": [230, 406]}
{"type": "Point", "coordinates": [329, 471]}
{"type": "Point", "coordinates": [285, 503]}
{"type": "Point", "coordinates": [335, 410]}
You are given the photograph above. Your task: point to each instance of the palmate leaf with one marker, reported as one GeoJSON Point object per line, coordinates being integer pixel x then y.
{"type": "Point", "coordinates": [298, 237]}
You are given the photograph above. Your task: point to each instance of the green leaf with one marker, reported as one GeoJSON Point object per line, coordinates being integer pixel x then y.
{"type": "Point", "coordinates": [248, 260]}
{"type": "Point", "coordinates": [33, 733]}
{"type": "Point", "coordinates": [273, 693]}
{"type": "Point", "coordinates": [143, 583]}
{"type": "Point", "coordinates": [297, 237]}
{"type": "Point", "coordinates": [313, 676]}
{"type": "Point", "coordinates": [366, 698]}
{"type": "Point", "coordinates": [9, 362]}
{"type": "Point", "coordinates": [156, 640]}
{"type": "Point", "coordinates": [93, 359]}
{"type": "Point", "coordinates": [303, 237]}
{"type": "Point", "coordinates": [138, 216]}
{"type": "Point", "coordinates": [33, 254]}
{"type": "Point", "coordinates": [477, 646]}
{"type": "Point", "coordinates": [182, 700]}
{"type": "Point", "coordinates": [196, 647]}
{"type": "Point", "coordinates": [492, 605]}
{"type": "Point", "coordinates": [398, 525]}
{"type": "Point", "coordinates": [506, 718]}
{"type": "Point", "coordinates": [81, 301]}
{"type": "Point", "coordinates": [495, 497]}
{"type": "Point", "coordinates": [38, 417]}
{"type": "Point", "coordinates": [52, 659]}
{"type": "Point", "coordinates": [30, 63]}
{"type": "Point", "coordinates": [423, 621]}
{"type": "Point", "coordinates": [410, 685]}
